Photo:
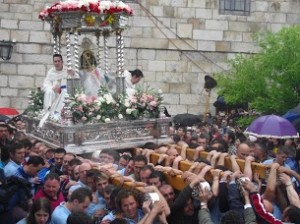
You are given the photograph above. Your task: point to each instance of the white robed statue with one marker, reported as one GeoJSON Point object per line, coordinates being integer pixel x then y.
{"type": "Point", "coordinates": [92, 78]}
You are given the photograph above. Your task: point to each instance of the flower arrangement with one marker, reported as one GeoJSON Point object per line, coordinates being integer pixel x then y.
{"type": "Point", "coordinates": [144, 103]}
{"type": "Point", "coordinates": [36, 103]}
{"type": "Point", "coordinates": [94, 109]}
{"type": "Point", "coordinates": [85, 6]}
{"type": "Point", "coordinates": [104, 108]}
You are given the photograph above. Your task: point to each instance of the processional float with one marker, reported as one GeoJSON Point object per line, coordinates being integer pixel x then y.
{"type": "Point", "coordinates": [102, 19]}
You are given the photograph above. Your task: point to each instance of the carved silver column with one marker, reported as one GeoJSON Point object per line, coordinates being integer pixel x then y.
{"type": "Point", "coordinates": [67, 116]}
{"type": "Point", "coordinates": [105, 37]}
{"type": "Point", "coordinates": [76, 53]}
{"type": "Point", "coordinates": [98, 49]}
{"type": "Point", "coordinates": [69, 55]}
{"type": "Point", "coordinates": [120, 63]}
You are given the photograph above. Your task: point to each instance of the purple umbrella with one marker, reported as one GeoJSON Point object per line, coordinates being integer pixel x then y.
{"type": "Point", "coordinates": [272, 126]}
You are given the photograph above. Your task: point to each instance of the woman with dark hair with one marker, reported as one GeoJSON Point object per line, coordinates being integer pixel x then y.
{"type": "Point", "coordinates": [40, 213]}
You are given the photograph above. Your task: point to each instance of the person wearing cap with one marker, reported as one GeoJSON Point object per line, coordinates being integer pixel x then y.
{"type": "Point", "coordinates": [131, 79]}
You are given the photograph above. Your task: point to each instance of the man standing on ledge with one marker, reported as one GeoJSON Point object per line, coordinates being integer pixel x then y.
{"type": "Point", "coordinates": [131, 79]}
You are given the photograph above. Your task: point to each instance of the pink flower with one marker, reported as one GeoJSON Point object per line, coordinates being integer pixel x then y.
{"type": "Point", "coordinates": [153, 103]}
{"type": "Point", "coordinates": [149, 98]}
{"type": "Point", "coordinates": [133, 100]}
{"type": "Point", "coordinates": [80, 108]}
{"type": "Point", "coordinates": [83, 118]}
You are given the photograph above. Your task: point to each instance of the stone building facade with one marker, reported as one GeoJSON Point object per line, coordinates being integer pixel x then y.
{"type": "Point", "coordinates": [174, 42]}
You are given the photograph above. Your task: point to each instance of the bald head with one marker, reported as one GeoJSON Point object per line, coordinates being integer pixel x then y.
{"type": "Point", "coordinates": [243, 151]}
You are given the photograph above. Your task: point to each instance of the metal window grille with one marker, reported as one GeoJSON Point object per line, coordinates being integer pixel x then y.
{"type": "Point", "coordinates": [235, 7]}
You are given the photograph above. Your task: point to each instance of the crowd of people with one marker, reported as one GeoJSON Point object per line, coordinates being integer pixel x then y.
{"type": "Point", "coordinates": [44, 185]}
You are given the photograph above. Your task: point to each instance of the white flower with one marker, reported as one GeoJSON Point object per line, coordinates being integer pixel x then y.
{"type": "Point", "coordinates": [98, 117]}
{"type": "Point", "coordinates": [129, 111]}
{"type": "Point", "coordinates": [107, 120]}
{"type": "Point", "coordinates": [126, 103]}
{"type": "Point", "coordinates": [120, 116]}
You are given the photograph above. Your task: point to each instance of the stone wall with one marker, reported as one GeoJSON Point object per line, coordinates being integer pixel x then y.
{"type": "Point", "coordinates": [175, 42]}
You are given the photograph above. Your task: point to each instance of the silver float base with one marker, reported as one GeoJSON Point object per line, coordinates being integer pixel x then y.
{"type": "Point", "coordinates": [87, 138]}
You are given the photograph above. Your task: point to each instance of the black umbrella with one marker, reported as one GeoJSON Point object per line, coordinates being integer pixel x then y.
{"type": "Point", "coordinates": [186, 119]}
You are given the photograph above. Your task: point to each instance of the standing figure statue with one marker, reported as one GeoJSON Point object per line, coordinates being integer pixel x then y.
{"type": "Point", "coordinates": [92, 78]}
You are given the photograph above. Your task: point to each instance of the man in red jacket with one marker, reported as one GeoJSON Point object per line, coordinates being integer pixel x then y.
{"type": "Point", "coordinates": [51, 190]}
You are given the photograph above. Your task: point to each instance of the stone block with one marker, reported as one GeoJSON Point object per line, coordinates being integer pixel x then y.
{"type": "Point", "coordinates": [4, 7]}
{"type": "Point", "coordinates": [34, 59]}
{"type": "Point", "coordinates": [7, 16]}
{"type": "Point", "coordinates": [39, 81]}
{"type": "Point", "coordinates": [185, 30]}
{"type": "Point", "coordinates": [256, 17]}
{"type": "Point", "coordinates": [233, 36]}
{"type": "Point", "coordinates": [5, 34]}
{"type": "Point", "coordinates": [164, 33]}
{"type": "Point", "coordinates": [204, 45]}
{"type": "Point", "coordinates": [179, 3]}
{"type": "Point", "coordinates": [3, 80]}
{"type": "Point", "coordinates": [39, 37]}
{"type": "Point", "coordinates": [30, 48]}
{"type": "Point", "coordinates": [8, 23]}
{"type": "Point", "coordinates": [171, 98]}
{"type": "Point", "coordinates": [169, 11]}
{"type": "Point", "coordinates": [157, 11]}
{"type": "Point", "coordinates": [21, 8]}
{"type": "Point", "coordinates": [9, 92]}
{"type": "Point", "coordinates": [185, 13]}
{"type": "Point", "coordinates": [247, 37]}
{"type": "Point", "coordinates": [142, 22]}
{"type": "Point", "coordinates": [194, 109]}
{"type": "Point", "coordinates": [188, 45]}
{"type": "Point", "coordinates": [277, 27]}
{"type": "Point", "coordinates": [204, 13]}
{"type": "Point", "coordinates": [169, 77]}
{"type": "Point", "coordinates": [159, 66]}
{"type": "Point", "coordinates": [176, 66]}
{"type": "Point", "coordinates": [168, 55]}
{"type": "Point", "coordinates": [31, 25]}
{"type": "Point", "coordinates": [36, 70]}
{"type": "Point", "coordinates": [180, 88]}
{"type": "Point", "coordinates": [196, 3]}
{"type": "Point", "coordinates": [275, 17]}
{"type": "Point", "coordinates": [5, 101]}
{"type": "Point", "coordinates": [20, 35]}
{"type": "Point", "coordinates": [147, 32]}
{"type": "Point", "coordinates": [207, 35]}
{"type": "Point", "coordinates": [197, 88]}
{"type": "Point", "coordinates": [149, 43]}
{"type": "Point", "coordinates": [244, 47]}
{"type": "Point", "coordinates": [190, 77]}
{"type": "Point", "coordinates": [24, 93]}
{"type": "Point", "coordinates": [164, 87]}
{"type": "Point", "coordinates": [19, 103]}
{"type": "Point", "coordinates": [147, 54]}
{"type": "Point", "coordinates": [47, 49]}
{"type": "Point", "coordinates": [176, 109]}
{"type": "Point", "coordinates": [223, 46]}
{"type": "Point", "coordinates": [189, 99]}
{"type": "Point", "coordinates": [292, 19]}
{"type": "Point", "coordinates": [8, 68]}
{"type": "Point", "coordinates": [216, 25]}
{"type": "Point", "coordinates": [238, 26]}
{"type": "Point", "coordinates": [20, 81]}
{"type": "Point", "coordinates": [149, 77]}
{"type": "Point", "coordinates": [261, 6]}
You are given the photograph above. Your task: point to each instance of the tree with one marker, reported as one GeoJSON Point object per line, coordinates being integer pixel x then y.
{"type": "Point", "coordinates": [269, 80]}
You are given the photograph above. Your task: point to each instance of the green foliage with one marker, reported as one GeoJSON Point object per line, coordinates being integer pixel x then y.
{"type": "Point", "coordinates": [268, 81]}
{"type": "Point", "coordinates": [245, 121]}
{"type": "Point", "coordinates": [36, 105]}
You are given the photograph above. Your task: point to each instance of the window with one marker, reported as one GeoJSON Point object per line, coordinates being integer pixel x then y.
{"type": "Point", "coordinates": [235, 7]}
